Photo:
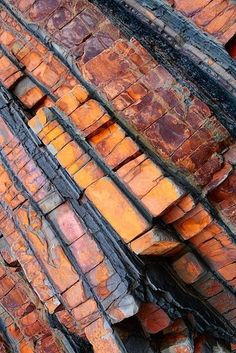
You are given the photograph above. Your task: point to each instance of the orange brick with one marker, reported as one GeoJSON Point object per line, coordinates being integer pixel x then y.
{"type": "Point", "coordinates": [100, 273]}
{"type": "Point", "coordinates": [186, 203]}
{"type": "Point", "coordinates": [10, 81]}
{"type": "Point", "coordinates": [67, 222]}
{"type": "Point", "coordinates": [114, 207]}
{"type": "Point", "coordinates": [86, 252]}
{"type": "Point", "coordinates": [219, 251]}
{"type": "Point", "coordinates": [154, 242]}
{"type": "Point", "coordinates": [223, 302]}
{"type": "Point", "coordinates": [101, 336]}
{"type": "Point", "coordinates": [2, 272]}
{"type": "Point", "coordinates": [28, 93]}
{"type": "Point", "coordinates": [69, 322]}
{"type": "Point", "coordinates": [53, 134]}
{"type": "Point", "coordinates": [208, 286]}
{"type": "Point", "coordinates": [193, 222]}
{"type": "Point", "coordinates": [126, 173]}
{"type": "Point", "coordinates": [88, 175]}
{"type": "Point", "coordinates": [47, 249]}
{"type": "Point", "coordinates": [107, 139]}
{"type": "Point", "coordinates": [6, 68]}
{"type": "Point", "coordinates": [46, 74]}
{"type": "Point", "coordinates": [38, 280]}
{"type": "Point", "coordinates": [153, 318]}
{"type": "Point", "coordinates": [61, 271]}
{"type": "Point", "coordinates": [80, 93]}
{"type": "Point", "coordinates": [48, 343]}
{"type": "Point", "coordinates": [25, 347]}
{"type": "Point", "coordinates": [7, 38]}
{"type": "Point", "coordinates": [143, 178]}
{"type": "Point", "coordinates": [213, 9]}
{"type": "Point", "coordinates": [98, 126]}
{"type": "Point", "coordinates": [16, 46]}
{"type": "Point", "coordinates": [14, 332]}
{"type": "Point", "coordinates": [189, 8]}
{"type": "Point", "coordinates": [32, 60]}
{"type": "Point", "coordinates": [75, 295]}
{"type": "Point", "coordinates": [188, 268]}
{"type": "Point", "coordinates": [68, 103]}
{"type": "Point", "coordinates": [173, 215]}
{"type": "Point", "coordinates": [45, 103]}
{"type": "Point", "coordinates": [39, 121]}
{"type": "Point", "coordinates": [162, 196]}
{"type": "Point", "coordinates": [87, 310]}
{"type": "Point", "coordinates": [223, 19]}
{"type": "Point", "coordinates": [124, 151]}
{"type": "Point", "coordinates": [23, 52]}
{"type": "Point", "coordinates": [137, 91]}
{"type": "Point", "coordinates": [87, 114]}
{"type": "Point", "coordinates": [228, 272]}
{"type": "Point", "coordinates": [58, 143]}
{"type": "Point", "coordinates": [226, 36]}
{"type": "Point", "coordinates": [32, 97]}
{"type": "Point", "coordinates": [80, 163]}
{"type": "Point", "coordinates": [15, 297]}
{"type": "Point", "coordinates": [62, 90]}
{"type": "Point", "coordinates": [65, 86]}
{"type": "Point", "coordinates": [69, 154]}
{"type": "Point", "coordinates": [207, 233]}
{"type": "Point", "coordinates": [52, 304]}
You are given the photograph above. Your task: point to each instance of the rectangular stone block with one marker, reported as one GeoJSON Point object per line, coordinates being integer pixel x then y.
{"type": "Point", "coordinates": [155, 242]}
{"type": "Point", "coordinates": [68, 223]}
{"type": "Point", "coordinates": [114, 207]}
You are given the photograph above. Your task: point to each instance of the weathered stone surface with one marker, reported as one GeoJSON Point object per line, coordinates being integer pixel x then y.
{"type": "Point", "coordinates": [96, 221]}
{"type": "Point", "coordinates": [188, 268]}
{"type": "Point", "coordinates": [67, 222]}
{"type": "Point", "coordinates": [116, 206]}
{"type": "Point", "coordinates": [153, 318]}
{"type": "Point", "coordinates": [154, 242]}
{"type": "Point", "coordinates": [102, 337]}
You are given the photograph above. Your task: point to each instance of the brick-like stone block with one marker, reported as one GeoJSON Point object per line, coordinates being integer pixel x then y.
{"type": "Point", "coordinates": [153, 318]}
{"type": "Point", "coordinates": [154, 242]}
{"type": "Point", "coordinates": [114, 207]}
{"type": "Point", "coordinates": [188, 268]}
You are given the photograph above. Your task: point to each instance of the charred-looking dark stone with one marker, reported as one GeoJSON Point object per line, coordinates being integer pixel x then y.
{"type": "Point", "coordinates": [231, 47]}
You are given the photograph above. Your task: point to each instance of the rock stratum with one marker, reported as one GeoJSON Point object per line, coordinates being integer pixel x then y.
{"type": "Point", "coordinates": [117, 176]}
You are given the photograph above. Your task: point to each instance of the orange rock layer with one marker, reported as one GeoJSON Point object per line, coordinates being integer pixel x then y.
{"type": "Point", "coordinates": [117, 194]}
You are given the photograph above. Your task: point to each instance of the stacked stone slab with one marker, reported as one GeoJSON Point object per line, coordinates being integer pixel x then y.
{"type": "Point", "coordinates": [117, 195]}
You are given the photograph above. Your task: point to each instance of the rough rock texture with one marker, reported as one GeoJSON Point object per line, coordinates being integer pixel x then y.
{"type": "Point", "coordinates": [118, 180]}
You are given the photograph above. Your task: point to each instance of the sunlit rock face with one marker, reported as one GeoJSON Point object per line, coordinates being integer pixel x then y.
{"type": "Point", "coordinates": [117, 176]}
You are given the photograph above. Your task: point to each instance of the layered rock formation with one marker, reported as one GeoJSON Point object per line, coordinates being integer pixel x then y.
{"type": "Point", "coordinates": [118, 181]}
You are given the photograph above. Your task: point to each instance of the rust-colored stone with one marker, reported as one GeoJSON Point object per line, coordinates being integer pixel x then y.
{"type": "Point", "coordinates": [188, 268]}
{"type": "Point", "coordinates": [108, 199]}
{"type": "Point", "coordinates": [101, 336]}
{"type": "Point", "coordinates": [193, 222]}
{"type": "Point", "coordinates": [86, 252]}
{"type": "Point", "coordinates": [162, 196]}
{"type": "Point", "coordinates": [67, 222]}
{"type": "Point", "coordinates": [154, 242]}
{"type": "Point", "coordinates": [153, 318]}
{"type": "Point", "coordinates": [75, 295]}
